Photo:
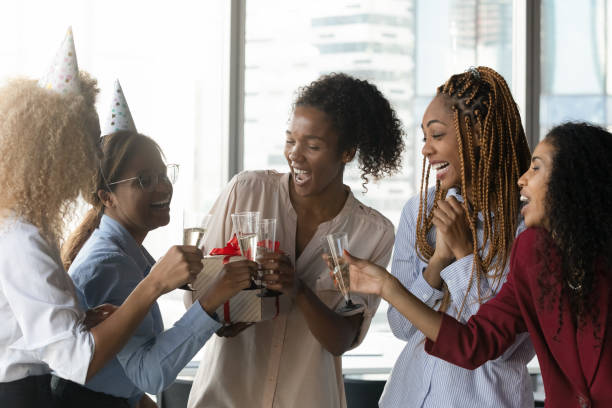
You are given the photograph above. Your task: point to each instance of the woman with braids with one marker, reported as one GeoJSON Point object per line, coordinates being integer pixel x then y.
{"type": "Point", "coordinates": [294, 359]}
{"type": "Point", "coordinates": [560, 280]}
{"type": "Point", "coordinates": [454, 240]}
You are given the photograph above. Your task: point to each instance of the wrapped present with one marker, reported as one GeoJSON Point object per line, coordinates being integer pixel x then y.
{"type": "Point", "coordinates": [245, 306]}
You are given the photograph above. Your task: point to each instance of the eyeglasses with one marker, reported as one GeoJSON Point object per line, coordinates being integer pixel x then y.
{"type": "Point", "coordinates": [148, 182]}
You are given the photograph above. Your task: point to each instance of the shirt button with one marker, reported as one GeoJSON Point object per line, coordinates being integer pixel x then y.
{"type": "Point", "coordinates": [584, 402]}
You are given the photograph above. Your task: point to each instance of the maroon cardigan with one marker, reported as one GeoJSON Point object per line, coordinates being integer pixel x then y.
{"type": "Point", "coordinates": [576, 365]}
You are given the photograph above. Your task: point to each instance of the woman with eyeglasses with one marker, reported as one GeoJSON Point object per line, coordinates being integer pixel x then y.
{"type": "Point", "coordinates": [48, 140]}
{"type": "Point", "coordinates": [106, 260]}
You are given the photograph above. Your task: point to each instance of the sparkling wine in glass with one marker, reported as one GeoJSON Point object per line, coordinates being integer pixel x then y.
{"type": "Point", "coordinates": [266, 245]}
{"type": "Point", "coordinates": [195, 224]}
{"type": "Point", "coordinates": [246, 228]}
{"type": "Point", "coordinates": [334, 246]}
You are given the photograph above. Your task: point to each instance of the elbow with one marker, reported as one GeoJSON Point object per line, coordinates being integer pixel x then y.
{"type": "Point", "coordinates": [149, 381]}
{"type": "Point", "coordinates": [150, 387]}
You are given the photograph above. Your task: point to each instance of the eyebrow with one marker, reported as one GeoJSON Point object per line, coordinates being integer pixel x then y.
{"type": "Point", "coordinates": [309, 137]}
{"type": "Point", "coordinates": [432, 122]}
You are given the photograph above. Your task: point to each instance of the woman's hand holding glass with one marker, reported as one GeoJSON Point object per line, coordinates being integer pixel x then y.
{"type": "Point", "coordinates": [181, 265]}
{"type": "Point", "coordinates": [283, 279]}
{"type": "Point", "coordinates": [367, 277]}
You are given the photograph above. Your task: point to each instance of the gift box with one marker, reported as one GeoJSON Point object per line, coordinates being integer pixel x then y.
{"type": "Point", "coordinates": [245, 306]}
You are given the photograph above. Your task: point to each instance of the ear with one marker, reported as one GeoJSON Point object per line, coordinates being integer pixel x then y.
{"type": "Point", "coordinates": [349, 155]}
{"type": "Point", "coordinates": [476, 131]}
{"type": "Point", "coordinates": [107, 198]}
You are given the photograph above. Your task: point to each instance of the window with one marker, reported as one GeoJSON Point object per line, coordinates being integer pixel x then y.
{"type": "Point", "coordinates": [172, 68]}
{"type": "Point", "coordinates": [575, 63]}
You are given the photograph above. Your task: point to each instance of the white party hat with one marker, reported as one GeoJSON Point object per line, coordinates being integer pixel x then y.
{"type": "Point", "coordinates": [63, 75]}
{"type": "Point", "coordinates": [119, 116]}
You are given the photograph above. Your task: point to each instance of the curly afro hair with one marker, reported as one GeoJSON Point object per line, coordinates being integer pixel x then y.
{"type": "Point", "coordinates": [363, 118]}
{"type": "Point", "coordinates": [579, 214]}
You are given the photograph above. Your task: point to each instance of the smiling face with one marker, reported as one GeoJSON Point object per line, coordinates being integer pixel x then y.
{"type": "Point", "coordinates": [441, 148]}
{"type": "Point", "coordinates": [311, 150]}
{"type": "Point", "coordinates": [137, 210]}
{"type": "Point", "coordinates": [534, 186]}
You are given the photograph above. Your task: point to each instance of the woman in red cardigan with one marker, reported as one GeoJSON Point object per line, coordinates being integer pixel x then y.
{"type": "Point", "coordinates": [560, 277]}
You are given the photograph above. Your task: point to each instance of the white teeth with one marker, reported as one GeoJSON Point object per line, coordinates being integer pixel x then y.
{"type": "Point", "coordinates": [161, 202]}
{"type": "Point", "coordinates": [440, 166]}
{"type": "Point", "coordinates": [298, 171]}
{"type": "Point", "coordinates": [524, 199]}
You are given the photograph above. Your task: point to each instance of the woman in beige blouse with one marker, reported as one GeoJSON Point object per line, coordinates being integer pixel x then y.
{"type": "Point", "coordinates": [294, 359]}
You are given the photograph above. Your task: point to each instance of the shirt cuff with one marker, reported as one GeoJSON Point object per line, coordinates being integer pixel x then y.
{"type": "Point", "coordinates": [455, 272]}
{"type": "Point", "coordinates": [421, 289]}
{"type": "Point", "coordinates": [199, 322]}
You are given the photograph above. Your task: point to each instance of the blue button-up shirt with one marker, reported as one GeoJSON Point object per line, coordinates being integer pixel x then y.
{"type": "Point", "coordinates": [106, 270]}
{"type": "Point", "coordinates": [421, 380]}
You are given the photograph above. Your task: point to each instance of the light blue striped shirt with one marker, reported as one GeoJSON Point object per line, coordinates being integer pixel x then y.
{"type": "Point", "coordinates": [421, 380]}
{"type": "Point", "coordinates": [106, 270]}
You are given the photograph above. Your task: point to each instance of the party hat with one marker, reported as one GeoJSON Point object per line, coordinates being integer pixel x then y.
{"type": "Point", "coordinates": [63, 75]}
{"type": "Point", "coordinates": [119, 116]}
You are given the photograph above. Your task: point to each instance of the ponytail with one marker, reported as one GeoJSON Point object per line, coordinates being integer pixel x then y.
{"type": "Point", "coordinates": [80, 235]}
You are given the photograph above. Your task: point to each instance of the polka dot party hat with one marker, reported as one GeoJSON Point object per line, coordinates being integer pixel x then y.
{"type": "Point", "coordinates": [119, 116]}
{"type": "Point", "coordinates": [63, 75]}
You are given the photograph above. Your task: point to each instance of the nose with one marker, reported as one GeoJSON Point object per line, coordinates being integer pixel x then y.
{"type": "Point", "coordinates": [295, 154]}
{"type": "Point", "coordinates": [163, 185]}
{"type": "Point", "coordinates": [522, 181]}
{"type": "Point", "coordinates": [427, 149]}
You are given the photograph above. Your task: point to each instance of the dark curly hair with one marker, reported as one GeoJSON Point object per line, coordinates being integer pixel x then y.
{"type": "Point", "coordinates": [363, 118]}
{"type": "Point", "coordinates": [579, 217]}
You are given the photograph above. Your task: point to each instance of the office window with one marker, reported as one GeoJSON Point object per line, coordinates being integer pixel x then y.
{"type": "Point", "coordinates": [575, 51]}
{"type": "Point", "coordinates": [407, 48]}
{"type": "Point", "coordinates": [170, 59]}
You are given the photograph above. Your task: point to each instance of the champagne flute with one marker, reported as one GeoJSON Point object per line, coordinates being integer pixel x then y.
{"type": "Point", "coordinates": [246, 227]}
{"type": "Point", "coordinates": [195, 224]}
{"type": "Point", "coordinates": [334, 246]}
{"type": "Point", "coordinates": [267, 245]}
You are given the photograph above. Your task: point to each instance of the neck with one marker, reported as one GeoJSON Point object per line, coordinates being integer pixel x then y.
{"type": "Point", "coordinates": [322, 206]}
{"type": "Point", "coordinates": [137, 233]}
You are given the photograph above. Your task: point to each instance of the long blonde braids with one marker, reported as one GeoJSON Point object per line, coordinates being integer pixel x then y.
{"type": "Point", "coordinates": [482, 107]}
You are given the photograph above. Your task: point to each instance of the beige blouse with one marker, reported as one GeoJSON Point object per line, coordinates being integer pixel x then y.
{"type": "Point", "coordinates": [279, 363]}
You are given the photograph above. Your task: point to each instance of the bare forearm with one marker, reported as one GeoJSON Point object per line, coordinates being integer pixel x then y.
{"type": "Point", "coordinates": [112, 334]}
{"type": "Point", "coordinates": [424, 318]}
{"type": "Point", "coordinates": [335, 332]}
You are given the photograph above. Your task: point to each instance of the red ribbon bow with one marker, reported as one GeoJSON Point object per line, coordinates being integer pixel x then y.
{"type": "Point", "coordinates": [233, 249]}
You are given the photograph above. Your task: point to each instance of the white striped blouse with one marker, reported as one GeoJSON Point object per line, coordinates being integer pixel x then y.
{"type": "Point", "coordinates": [421, 380]}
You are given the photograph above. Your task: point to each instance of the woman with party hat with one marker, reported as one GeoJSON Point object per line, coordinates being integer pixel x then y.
{"type": "Point", "coordinates": [106, 260]}
{"type": "Point", "coordinates": [48, 139]}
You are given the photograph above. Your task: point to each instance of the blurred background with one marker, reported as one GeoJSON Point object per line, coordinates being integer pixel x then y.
{"type": "Point", "coordinates": [213, 81]}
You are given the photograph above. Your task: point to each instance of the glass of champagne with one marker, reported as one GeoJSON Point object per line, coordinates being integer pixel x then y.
{"type": "Point", "coordinates": [195, 224]}
{"type": "Point", "coordinates": [246, 226]}
{"type": "Point", "coordinates": [334, 246]}
{"type": "Point", "coordinates": [267, 245]}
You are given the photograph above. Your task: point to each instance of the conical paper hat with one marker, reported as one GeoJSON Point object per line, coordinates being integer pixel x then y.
{"type": "Point", "coordinates": [119, 116]}
{"type": "Point", "coordinates": [63, 75]}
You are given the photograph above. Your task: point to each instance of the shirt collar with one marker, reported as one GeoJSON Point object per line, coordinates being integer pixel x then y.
{"type": "Point", "coordinates": [342, 216]}
{"type": "Point", "coordinates": [124, 240]}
